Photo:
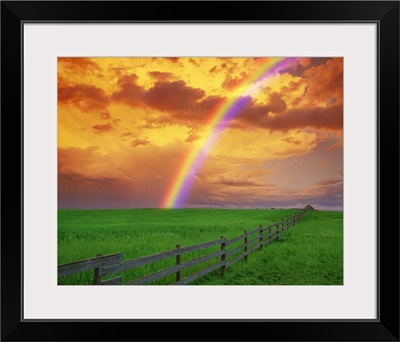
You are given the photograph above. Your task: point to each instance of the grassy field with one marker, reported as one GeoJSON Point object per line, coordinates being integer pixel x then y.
{"type": "Point", "coordinates": [310, 253]}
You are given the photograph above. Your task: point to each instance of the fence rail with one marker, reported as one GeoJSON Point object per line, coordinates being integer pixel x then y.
{"type": "Point", "coordinates": [104, 265]}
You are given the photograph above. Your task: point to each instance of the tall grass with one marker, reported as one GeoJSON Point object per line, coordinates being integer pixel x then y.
{"type": "Point", "coordinates": [309, 253]}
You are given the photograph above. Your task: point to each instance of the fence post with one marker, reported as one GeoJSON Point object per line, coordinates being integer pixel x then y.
{"type": "Point", "coordinates": [277, 232]}
{"type": "Point", "coordinates": [269, 234]}
{"type": "Point", "coordinates": [261, 237]}
{"type": "Point", "coordinates": [245, 244]}
{"type": "Point", "coordinates": [223, 256]}
{"type": "Point", "coordinates": [178, 262]}
{"type": "Point", "coordinates": [97, 277]}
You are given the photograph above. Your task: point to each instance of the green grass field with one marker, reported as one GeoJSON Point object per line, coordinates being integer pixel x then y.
{"type": "Point", "coordinates": [310, 253]}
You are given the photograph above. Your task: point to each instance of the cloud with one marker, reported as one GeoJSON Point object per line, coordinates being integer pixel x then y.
{"type": "Point", "coordinates": [193, 136]}
{"type": "Point", "coordinates": [103, 128]}
{"type": "Point", "coordinates": [79, 64]}
{"type": "Point", "coordinates": [127, 134]}
{"type": "Point", "coordinates": [177, 100]}
{"type": "Point", "coordinates": [138, 142]}
{"type": "Point", "coordinates": [238, 181]}
{"type": "Point", "coordinates": [175, 61]}
{"type": "Point", "coordinates": [127, 178]}
{"type": "Point", "coordinates": [275, 103]}
{"type": "Point", "coordinates": [326, 193]}
{"type": "Point", "coordinates": [87, 98]}
{"type": "Point", "coordinates": [172, 59]}
{"type": "Point", "coordinates": [325, 82]}
{"type": "Point", "coordinates": [336, 145]}
{"type": "Point", "coordinates": [203, 107]}
{"type": "Point", "coordinates": [329, 118]}
{"type": "Point", "coordinates": [161, 76]}
{"type": "Point", "coordinates": [223, 186]}
{"type": "Point", "coordinates": [105, 115]}
{"type": "Point", "coordinates": [218, 68]}
{"type": "Point", "coordinates": [231, 83]}
{"type": "Point", "coordinates": [293, 151]}
{"type": "Point", "coordinates": [194, 62]}
{"type": "Point", "coordinates": [319, 84]}
{"type": "Point", "coordinates": [85, 165]}
{"type": "Point", "coordinates": [158, 122]}
{"type": "Point", "coordinates": [118, 71]}
{"type": "Point", "coordinates": [214, 69]}
{"type": "Point", "coordinates": [173, 96]}
{"type": "Point", "coordinates": [325, 187]}
{"type": "Point", "coordinates": [129, 92]}
{"type": "Point", "coordinates": [259, 114]}
{"type": "Point", "coordinates": [302, 64]}
{"type": "Point", "coordinates": [292, 140]}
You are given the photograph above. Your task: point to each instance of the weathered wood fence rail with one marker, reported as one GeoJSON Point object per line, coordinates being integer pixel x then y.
{"type": "Point", "coordinates": [105, 265]}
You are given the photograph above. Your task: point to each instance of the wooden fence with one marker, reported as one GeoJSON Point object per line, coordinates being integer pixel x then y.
{"type": "Point", "coordinates": [226, 256]}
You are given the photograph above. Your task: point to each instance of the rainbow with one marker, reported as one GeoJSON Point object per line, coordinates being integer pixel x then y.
{"type": "Point", "coordinates": [219, 118]}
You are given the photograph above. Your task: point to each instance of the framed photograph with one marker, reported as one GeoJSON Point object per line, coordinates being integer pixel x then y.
{"type": "Point", "coordinates": [241, 149]}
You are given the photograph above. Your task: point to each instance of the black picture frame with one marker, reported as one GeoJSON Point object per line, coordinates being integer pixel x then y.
{"type": "Point", "coordinates": [15, 328]}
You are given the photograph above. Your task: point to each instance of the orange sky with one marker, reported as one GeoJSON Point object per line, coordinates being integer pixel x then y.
{"type": "Point", "coordinates": [126, 124]}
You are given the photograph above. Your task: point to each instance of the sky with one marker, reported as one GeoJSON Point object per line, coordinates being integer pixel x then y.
{"type": "Point", "coordinates": [169, 132]}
